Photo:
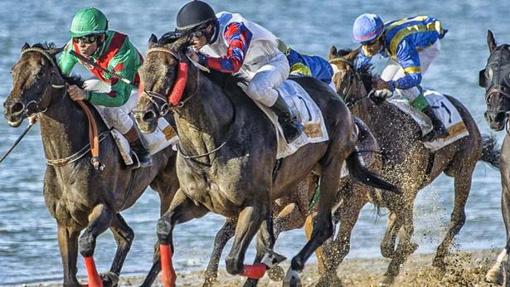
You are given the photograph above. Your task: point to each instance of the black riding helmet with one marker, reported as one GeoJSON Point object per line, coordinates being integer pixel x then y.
{"type": "Point", "coordinates": [194, 14]}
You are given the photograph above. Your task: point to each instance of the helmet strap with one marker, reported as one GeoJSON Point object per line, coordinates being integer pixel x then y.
{"type": "Point", "coordinates": [214, 34]}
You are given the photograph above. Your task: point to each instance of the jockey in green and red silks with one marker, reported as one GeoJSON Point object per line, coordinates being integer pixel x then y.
{"type": "Point", "coordinates": [108, 51]}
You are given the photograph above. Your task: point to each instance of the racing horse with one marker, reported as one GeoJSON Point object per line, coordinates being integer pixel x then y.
{"type": "Point", "coordinates": [227, 157]}
{"type": "Point", "coordinates": [407, 163]}
{"type": "Point", "coordinates": [495, 78]}
{"type": "Point", "coordinates": [79, 196]}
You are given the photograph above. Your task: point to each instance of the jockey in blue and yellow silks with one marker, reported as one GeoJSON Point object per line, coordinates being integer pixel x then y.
{"type": "Point", "coordinates": [306, 65]}
{"type": "Point", "coordinates": [412, 45]}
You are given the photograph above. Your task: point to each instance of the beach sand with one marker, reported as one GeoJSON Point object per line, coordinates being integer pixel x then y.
{"type": "Point", "coordinates": [464, 269]}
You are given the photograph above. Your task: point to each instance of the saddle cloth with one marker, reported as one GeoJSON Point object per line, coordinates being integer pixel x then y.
{"type": "Point", "coordinates": [162, 137]}
{"type": "Point", "coordinates": [307, 112]}
{"type": "Point", "coordinates": [444, 110]}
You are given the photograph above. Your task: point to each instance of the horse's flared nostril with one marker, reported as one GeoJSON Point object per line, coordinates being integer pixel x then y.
{"type": "Point", "coordinates": [17, 108]}
{"type": "Point", "coordinates": [149, 116]}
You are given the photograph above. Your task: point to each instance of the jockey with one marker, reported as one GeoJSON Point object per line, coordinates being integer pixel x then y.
{"type": "Point", "coordinates": [412, 43]}
{"type": "Point", "coordinates": [111, 51]}
{"type": "Point", "coordinates": [305, 65]}
{"type": "Point", "coordinates": [228, 43]}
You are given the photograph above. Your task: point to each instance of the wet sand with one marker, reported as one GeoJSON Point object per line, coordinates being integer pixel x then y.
{"type": "Point", "coordinates": [464, 269]}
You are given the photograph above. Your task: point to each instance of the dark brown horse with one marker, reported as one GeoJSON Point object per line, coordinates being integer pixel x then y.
{"type": "Point", "coordinates": [77, 195]}
{"type": "Point", "coordinates": [296, 209]}
{"type": "Point", "coordinates": [227, 157]}
{"type": "Point", "coordinates": [495, 78]}
{"type": "Point", "coordinates": [408, 163]}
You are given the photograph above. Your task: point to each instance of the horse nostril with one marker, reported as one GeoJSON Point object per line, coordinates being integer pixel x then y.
{"type": "Point", "coordinates": [500, 116]}
{"type": "Point", "coordinates": [149, 116]}
{"type": "Point", "coordinates": [17, 108]}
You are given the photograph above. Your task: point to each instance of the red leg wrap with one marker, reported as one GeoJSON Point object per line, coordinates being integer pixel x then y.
{"type": "Point", "coordinates": [255, 271]}
{"type": "Point", "coordinates": [167, 269]}
{"type": "Point", "coordinates": [93, 276]}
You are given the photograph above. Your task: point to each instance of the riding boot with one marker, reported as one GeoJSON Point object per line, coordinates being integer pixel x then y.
{"type": "Point", "coordinates": [438, 130]}
{"type": "Point", "coordinates": [291, 127]}
{"type": "Point", "coordinates": [137, 147]}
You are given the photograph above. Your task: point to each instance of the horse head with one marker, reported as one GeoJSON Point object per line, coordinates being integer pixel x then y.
{"type": "Point", "coordinates": [164, 76]}
{"type": "Point", "coordinates": [34, 76]}
{"type": "Point", "coordinates": [495, 78]}
{"type": "Point", "coordinates": [348, 81]}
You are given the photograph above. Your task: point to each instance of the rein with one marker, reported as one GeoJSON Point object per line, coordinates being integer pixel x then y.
{"type": "Point", "coordinates": [94, 139]}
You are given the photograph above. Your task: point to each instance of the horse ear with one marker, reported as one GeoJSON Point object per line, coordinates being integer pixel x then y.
{"type": "Point", "coordinates": [152, 40]}
{"type": "Point", "coordinates": [491, 42]}
{"type": "Point", "coordinates": [25, 46]}
{"type": "Point", "coordinates": [332, 53]}
{"type": "Point", "coordinates": [54, 51]}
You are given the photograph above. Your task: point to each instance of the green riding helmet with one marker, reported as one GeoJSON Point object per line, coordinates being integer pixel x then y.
{"type": "Point", "coordinates": [88, 21]}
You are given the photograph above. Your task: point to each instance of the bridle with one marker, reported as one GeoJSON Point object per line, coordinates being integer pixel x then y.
{"type": "Point", "coordinates": [173, 99]}
{"type": "Point", "coordinates": [501, 89]}
{"type": "Point", "coordinates": [354, 76]}
{"type": "Point", "coordinates": [25, 107]}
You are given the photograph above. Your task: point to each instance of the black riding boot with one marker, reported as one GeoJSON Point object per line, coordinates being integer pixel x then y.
{"type": "Point", "coordinates": [438, 130]}
{"type": "Point", "coordinates": [291, 127]}
{"type": "Point", "coordinates": [137, 147]}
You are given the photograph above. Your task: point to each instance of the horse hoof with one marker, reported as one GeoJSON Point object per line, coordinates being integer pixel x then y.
{"type": "Point", "coordinates": [109, 279]}
{"type": "Point", "coordinates": [292, 279]}
{"type": "Point", "coordinates": [210, 279]}
{"type": "Point", "coordinates": [387, 281]}
{"type": "Point", "coordinates": [276, 273]}
{"type": "Point", "coordinates": [329, 280]}
{"type": "Point", "coordinates": [494, 276]}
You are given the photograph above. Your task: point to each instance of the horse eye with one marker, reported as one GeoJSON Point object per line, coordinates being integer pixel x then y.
{"type": "Point", "coordinates": [490, 73]}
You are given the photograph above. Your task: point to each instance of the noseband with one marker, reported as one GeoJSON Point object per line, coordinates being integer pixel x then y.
{"type": "Point", "coordinates": [174, 96]}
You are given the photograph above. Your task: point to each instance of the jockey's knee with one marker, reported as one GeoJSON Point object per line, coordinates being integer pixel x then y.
{"type": "Point", "coordinates": [261, 93]}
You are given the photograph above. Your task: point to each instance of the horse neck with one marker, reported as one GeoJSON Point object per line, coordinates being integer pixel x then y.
{"type": "Point", "coordinates": [63, 126]}
{"type": "Point", "coordinates": [365, 107]}
{"type": "Point", "coordinates": [206, 118]}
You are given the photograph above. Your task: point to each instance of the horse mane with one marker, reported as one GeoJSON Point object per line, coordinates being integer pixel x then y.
{"type": "Point", "coordinates": [72, 79]}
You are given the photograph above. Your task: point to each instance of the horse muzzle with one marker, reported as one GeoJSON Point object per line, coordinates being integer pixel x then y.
{"type": "Point", "coordinates": [15, 112]}
{"type": "Point", "coordinates": [496, 119]}
{"type": "Point", "coordinates": [147, 121]}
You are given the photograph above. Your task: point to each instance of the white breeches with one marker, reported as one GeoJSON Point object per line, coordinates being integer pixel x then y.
{"type": "Point", "coordinates": [270, 76]}
{"type": "Point", "coordinates": [393, 71]}
{"type": "Point", "coordinates": [118, 117]}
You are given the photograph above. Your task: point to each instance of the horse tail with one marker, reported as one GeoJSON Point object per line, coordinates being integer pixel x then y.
{"type": "Point", "coordinates": [490, 151]}
{"type": "Point", "coordinates": [361, 173]}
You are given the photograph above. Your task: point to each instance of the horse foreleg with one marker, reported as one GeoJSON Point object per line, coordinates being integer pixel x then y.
{"type": "Point", "coordinates": [390, 236]}
{"type": "Point", "coordinates": [182, 210]}
{"type": "Point", "coordinates": [68, 245]}
{"type": "Point", "coordinates": [458, 217]}
{"type": "Point", "coordinates": [336, 250]}
{"type": "Point", "coordinates": [404, 248]}
{"type": "Point", "coordinates": [496, 274]}
{"type": "Point", "coordinates": [222, 237]}
{"type": "Point", "coordinates": [124, 236]}
{"type": "Point", "coordinates": [248, 223]}
{"type": "Point", "coordinates": [323, 226]}
{"type": "Point", "coordinates": [99, 220]}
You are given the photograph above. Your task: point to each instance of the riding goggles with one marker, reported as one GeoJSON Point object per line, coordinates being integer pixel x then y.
{"type": "Point", "coordinates": [88, 39]}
